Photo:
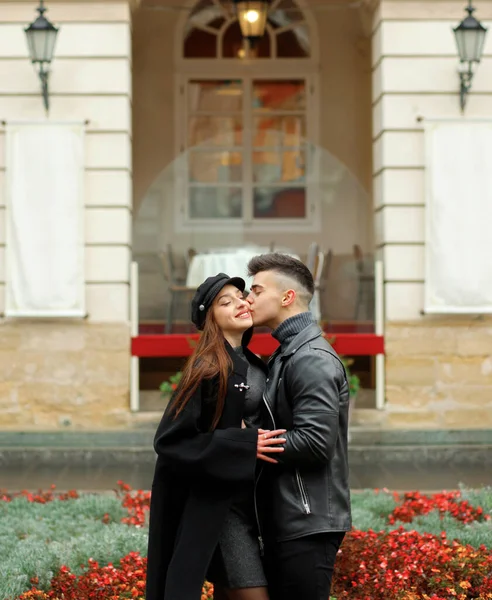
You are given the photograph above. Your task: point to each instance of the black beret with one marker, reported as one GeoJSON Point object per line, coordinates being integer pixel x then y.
{"type": "Point", "coordinates": [206, 294]}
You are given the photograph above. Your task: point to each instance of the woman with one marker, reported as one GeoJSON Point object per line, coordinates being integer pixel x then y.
{"type": "Point", "coordinates": [202, 517]}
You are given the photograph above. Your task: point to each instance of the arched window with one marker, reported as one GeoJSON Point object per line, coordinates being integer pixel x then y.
{"type": "Point", "coordinates": [212, 31]}
{"type": "Point", "coordinates": [247, 119]}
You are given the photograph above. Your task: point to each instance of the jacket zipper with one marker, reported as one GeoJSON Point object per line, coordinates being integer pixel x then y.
{"type": "Point", "coordinates": [302, 491]}
{"type": "Point", "coordinates": [260, 537]}
{"type": "Point", "coordinates": [269, 410]}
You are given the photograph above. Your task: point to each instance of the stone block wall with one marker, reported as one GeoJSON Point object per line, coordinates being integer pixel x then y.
{"type": "Point", "coordinates": [439, 374]}
{"type": "Point", "coordinates": [59, 375]}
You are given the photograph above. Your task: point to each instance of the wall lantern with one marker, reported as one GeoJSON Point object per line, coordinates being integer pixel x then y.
{"type": "Point", "coordinates": [41, 38]}
{"type": "Point", "coordinates": [470, 39]}
{"type": "Point", "coordinates": [252, 16]}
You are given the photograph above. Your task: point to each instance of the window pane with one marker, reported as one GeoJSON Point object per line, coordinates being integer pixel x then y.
{"type": "Point", "coordinates": [276, 167]}
{"type": "Point", "coordinates": [215, 96]}
{"type": "Point", "coordinates": [215, 131]}
{"type": "Point", "coordinates": [293, 43]}
{"type": "Point", "coordinates": [232, 42]}
{"type": "Point", "coordinates": [279, 203]}
{"type": "Point", "coordinates": [215, 167]}
{"type": "Point", "coordinates": [279, 131]}
{"type": "Point", "coordinates": [200, 44]}
{"type": "Point", "coordinates": [215, 203]}
{"type": "Point", "coordinates": [262, 48]}
{"type": "Point", "coordinates": [279, 95]}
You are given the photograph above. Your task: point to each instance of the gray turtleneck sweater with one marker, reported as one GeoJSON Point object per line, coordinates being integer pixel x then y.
{"type": "Point", "coordinates": [287, 330]}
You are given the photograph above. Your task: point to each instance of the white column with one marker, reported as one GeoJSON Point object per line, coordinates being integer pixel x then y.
{"type": "Point", "coordinates": [90, 80]}
{"type": "Point", "coordinates": [414, 75]}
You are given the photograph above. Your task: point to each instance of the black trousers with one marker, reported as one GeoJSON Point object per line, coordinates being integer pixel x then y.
{"type": "Point", "coordinates": [302, 569]}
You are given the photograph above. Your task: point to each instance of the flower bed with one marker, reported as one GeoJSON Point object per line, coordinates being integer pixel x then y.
{"type": "Point", "coordinates": [92, 547]}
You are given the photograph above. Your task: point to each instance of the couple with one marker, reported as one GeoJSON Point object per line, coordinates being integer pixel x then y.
{"type": "Point", "coordinates": [251, 483]}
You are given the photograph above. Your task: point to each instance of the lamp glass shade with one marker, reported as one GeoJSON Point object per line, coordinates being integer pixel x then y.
{"type": "Point", "coordinates": [41, 39]}
{"type": "Point", "coordinates": [252, 17]}
{"type": "Point", "coordinates": [470, 39]}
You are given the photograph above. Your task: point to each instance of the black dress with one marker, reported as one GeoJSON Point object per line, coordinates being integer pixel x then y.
{"type": "Point", "coordinates": [237, 562]}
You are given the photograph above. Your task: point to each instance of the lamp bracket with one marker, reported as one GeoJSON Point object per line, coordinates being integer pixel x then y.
{"type": "Point", "coordinates": [466, 76]}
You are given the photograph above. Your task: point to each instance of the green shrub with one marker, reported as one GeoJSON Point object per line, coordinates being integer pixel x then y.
{"type": "Point", "coordinates": [36, 539]}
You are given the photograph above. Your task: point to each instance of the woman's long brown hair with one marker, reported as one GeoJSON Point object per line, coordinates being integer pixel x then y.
{"type": "Point", "coordinates": [209, 359]}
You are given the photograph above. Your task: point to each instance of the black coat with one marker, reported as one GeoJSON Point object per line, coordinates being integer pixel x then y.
{"type": "Point", "coordinates": [197, 473]}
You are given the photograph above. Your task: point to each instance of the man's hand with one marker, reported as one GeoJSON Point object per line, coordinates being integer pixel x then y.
{"type": "Point", "coordinates": [268, 442]}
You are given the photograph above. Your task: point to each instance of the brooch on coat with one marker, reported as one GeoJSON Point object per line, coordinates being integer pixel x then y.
{"type": "Point", "coordinates": [241, 386]}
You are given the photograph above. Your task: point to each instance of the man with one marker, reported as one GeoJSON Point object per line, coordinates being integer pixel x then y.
{"type": "Point", "coordinates": [304, 499]}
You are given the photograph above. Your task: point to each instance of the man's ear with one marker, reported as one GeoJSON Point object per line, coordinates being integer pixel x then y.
{"type": "Point", "coordinates": [288, 297]}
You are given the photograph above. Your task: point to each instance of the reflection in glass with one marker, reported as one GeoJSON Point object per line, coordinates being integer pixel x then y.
{"type": "Point", "coordinates": [279, 95]}
{"type": "Point", "coordinates": [215, 167]}
{"type": "Point", "coordinates": [215, 96]}
{"type": "Point", "coordinates": [279, 131]}
{"type": "Point", "coordinates": [279, 202]}
{"type": "Point", "coordinates": [215, 131]}
{"type": "Point", "coordinates": [273, 166]}
{"type": "Point", "coordinates": [286, 11]}
{"type": "Point", "coordinates": [215, 202]}
{"type": "Point", "coordinates": [201, 6]}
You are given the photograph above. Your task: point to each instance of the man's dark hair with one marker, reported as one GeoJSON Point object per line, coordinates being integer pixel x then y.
{"type": "Point", "coordinates": [283, 264]}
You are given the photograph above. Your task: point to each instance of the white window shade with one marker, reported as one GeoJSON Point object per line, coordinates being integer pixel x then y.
{"type": "Point", "coordinates": [45, 216]}
{"type": "Point", "coordinates": [458, 217]}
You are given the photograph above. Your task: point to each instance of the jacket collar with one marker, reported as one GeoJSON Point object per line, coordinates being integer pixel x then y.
{"type": "Point", "coordinates": [309, 333]}
{"type": "Point", "coordinates": [239, 365]}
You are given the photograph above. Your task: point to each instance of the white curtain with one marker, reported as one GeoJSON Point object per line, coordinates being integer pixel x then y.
{"type": "Point", "coordinates": [458, 217]}
{"type": "Point", "coordinates": [45, 233]}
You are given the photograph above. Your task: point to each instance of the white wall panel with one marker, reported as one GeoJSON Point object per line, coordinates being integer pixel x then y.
{"type": "Point", "coordinates": [402, 149]}
{"type": "Point", "coordinates": [3, 200]}
{"type": "Point", "coordinates": [108, 226]}
{"type": "Point", "coordinates": [436, 10]}
{"type": "Point", "coordinates": [77, 76]}
{"type": "Point", "coordinates": [110, 263]}
{"type": "Point", "coordinates": [66, 12]}
{"type": "Point", "coordinates": [108, 188]}
{"type": "Point", "coordinates": [403, 224]}
{"type": "Point", "coordinates": [424, 38]}
{"type": "Point", "coordinates": [74, 40]}
{"type": "Point", "coordinates": [430, 75]}
{"type": "Point", "coordinates": [107, 302]}
{"type": "Point", "coordinates": [2, 149]}
{"type": "Point", "coordinates": [401, 186]}
{"type": "Point", "coordinates": [2, 225]}
{"type": "Point", "coordinates": [404, 263]}
{"type": "Point", "coordinates": [2, 264]}
{"type": "Point", "coordinates": [404, 301]}
{"type": "Point", "coordinates": [108, 151]}
{"type": "Point", "coordinates": [400, 111]}
{"type": "Point", "coordinates": [107, 113]}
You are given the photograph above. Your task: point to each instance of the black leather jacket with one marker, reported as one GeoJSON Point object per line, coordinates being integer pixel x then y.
{"type": "Point", "coordinates": [307, 393]}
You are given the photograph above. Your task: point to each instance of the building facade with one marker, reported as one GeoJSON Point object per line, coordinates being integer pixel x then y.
{"type": "Point", "coordinates": [188, 142]}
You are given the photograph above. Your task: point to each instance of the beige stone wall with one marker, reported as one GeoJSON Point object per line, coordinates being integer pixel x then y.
{"type": "Point", "coordinates": [439, 374]}
{"type": "Point", "coordinates": [57, 375]}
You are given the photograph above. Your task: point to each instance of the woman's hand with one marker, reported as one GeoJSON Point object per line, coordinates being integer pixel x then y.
{"type": "Point", "coordinates": [268, 443]}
